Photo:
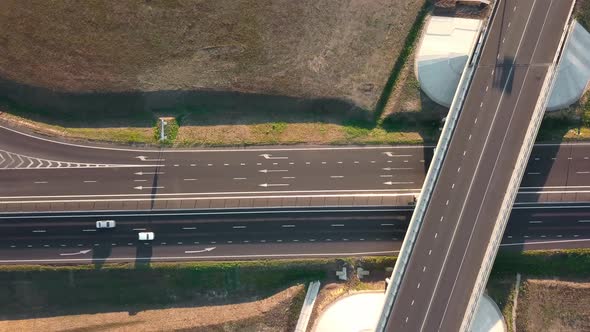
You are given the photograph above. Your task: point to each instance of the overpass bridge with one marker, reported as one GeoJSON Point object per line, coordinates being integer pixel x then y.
{"type": "Point", "coordinates": [477, 167]}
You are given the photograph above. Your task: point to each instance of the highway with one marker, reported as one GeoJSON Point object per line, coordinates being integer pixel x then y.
{"type": "Point", "coordinates": [442, 271]}
{"type": "Point", "coordinates": [49, 175]}
{"type": "Point", "coordinates": [251, 234]}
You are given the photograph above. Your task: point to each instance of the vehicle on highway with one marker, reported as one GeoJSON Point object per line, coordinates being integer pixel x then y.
{"type": "Point", "coordinates": [146, 236]}
{"type": "Point", "coordinates": [106, 224]}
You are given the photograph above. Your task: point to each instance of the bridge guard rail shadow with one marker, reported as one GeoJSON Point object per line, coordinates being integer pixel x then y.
{"type": "Point", "coordinates": [515, 179]}
{"type": "Point", "coordinates": [432, 175]}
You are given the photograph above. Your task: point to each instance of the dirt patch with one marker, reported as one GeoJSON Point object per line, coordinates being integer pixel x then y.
{"type": "Point", "coordinates": [553, 305]}
{"type": "Point", "coordinates": [269, 314]}
{"type": "Point", "coordinates": [309, 48]}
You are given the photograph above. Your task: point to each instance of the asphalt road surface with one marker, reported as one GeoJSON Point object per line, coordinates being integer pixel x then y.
{"type": "Point", "coordinates": [252, 234]}
{"type": "Point", "coordinates": [40, 174]}
{"type": "Point", "coordinates": [447, 256]}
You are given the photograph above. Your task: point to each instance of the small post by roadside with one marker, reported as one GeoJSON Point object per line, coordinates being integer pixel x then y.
{"type": "Point", "coordinates": [162, 133]}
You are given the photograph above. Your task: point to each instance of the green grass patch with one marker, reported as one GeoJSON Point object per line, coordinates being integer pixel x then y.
{"type": "Point", "coordinates": [124, 285]}
{"type": "Point", "coordinates": [565, 263]}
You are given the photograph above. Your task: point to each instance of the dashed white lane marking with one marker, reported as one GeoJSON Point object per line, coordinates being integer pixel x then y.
{"type": "Point", "coordinates": [46, 245]}
{"type": "Point", "coordinates": [533, 173]}
{"type": "Point", "coordinates": [242, 164]}
{"type": "Point", "coordinates": [176, 165]}
{"type": "Point", "coordinates": [288, 177]}
{"type": "Point", "coordinates": [453, 186]}
{"type": "Point", "coordinates": [39, 231]}
{"type": "Point", "coordinates": [429, 252]}
{"type": "Point", "coordinates": [584, 221]}
{"type": "Point", "coordinates": [193, 165]}
{"type": "Point", "coordinates": [469, 137]}
{"type": "Point", "coordinates": [40, 182]}
{"type": "Point", "coordinates": [189, 228]}
{"type": "Point", "coordinates": [386, 224]}
{"type": "Point", "coordinates": [336, 176]}
{"type": "Point", "coordinates": [323, 162]}
{"type": "Point", "coordinates": [190, 179]}
{"type": "Point", "coordinates": [447, 203]}
{"type": "Point", "coordinates": [139, 229]}
{"type": "Point", "coordinates": [288, 226]}
{"type": "Point", "coordinates": [239, 178]}
{"type": "Point", "coordinates": [535, 221]}
{"type": "Point", "coordinates": [441, 218]}
{"type": "Point", "coordinates": [89, 230]}
{"type": "Point", "coordinates": [239, 227]}
{"type": "Point", "coordinates": [209, 165]}
{"type": "Point", "coordinates": [337, 225]}
{"type": "Point", "coordinates": [583, 172]}
{"type": "Point", "coordinates": [139, 180]}
{"type": "Point", "coordinates": [424, 268]}
{"type": "Point", "coordinates": [386, 176]}
{"type": "Point", "coordinates": [90, 181]}
{"type": "Point", "coordinates": [225, 164]}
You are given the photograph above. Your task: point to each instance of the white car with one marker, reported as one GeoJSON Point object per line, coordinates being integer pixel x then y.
{"type": "Point", "coordinates": [106, 224]}
{"type": "Point", "coordinates": [146, 236]}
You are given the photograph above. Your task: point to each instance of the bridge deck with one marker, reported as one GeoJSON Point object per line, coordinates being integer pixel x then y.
{"type": "Point", "coordinates": [474, 179]}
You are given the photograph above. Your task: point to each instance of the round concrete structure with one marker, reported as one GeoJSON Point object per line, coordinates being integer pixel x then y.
{"type": "Point", "coordinates": [360, 312]}
{"type": "Point", "coordinates": [447, 42]}
{"type": "Point", "coordinates": [442, 54]}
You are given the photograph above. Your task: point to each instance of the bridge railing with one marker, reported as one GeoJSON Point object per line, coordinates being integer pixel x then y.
{"type": "Point", "coordinates": [432, 175]}
{"type": "Point", "coordinates": [514, 183]}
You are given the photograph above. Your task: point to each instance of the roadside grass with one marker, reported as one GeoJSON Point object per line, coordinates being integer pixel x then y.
{"type": "Point", "coordinates": [86, 288]}
{"type": "Point", "coordinates": [538, 263]}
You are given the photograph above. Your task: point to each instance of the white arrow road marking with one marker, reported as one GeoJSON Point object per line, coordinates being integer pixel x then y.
{"type": "Point", "coordinates": [269, 156]}
{"type": "Point", "coordinates": [273, 185]}
{"type": "Point", "coordinates": [81, 252]}
{"type": "Point", "coordinates": [272, 170]}
{"type": "Point", "coordinates": [390, 183]}
{"type": "Point", "coordinates": [142, 187]}
{"type": "Point", "coordinates": [390, 154]}
{"type": "Point", "coordinates": [148, 173]}
{"type": "Point", "coordinates": [144, 158]}
{"type": "Point", "coordinates": [198, 251]}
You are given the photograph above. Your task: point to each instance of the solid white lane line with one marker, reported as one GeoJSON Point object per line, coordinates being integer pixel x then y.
{"type": "Point", "coordinates": [205, 257]}
{"type": "Point", "coordinates": [376, 190]}
{"type": "Point", "coordinates": [543, 242]}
